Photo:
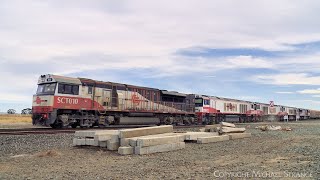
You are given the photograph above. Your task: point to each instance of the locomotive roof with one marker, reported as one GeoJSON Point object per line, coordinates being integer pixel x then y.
{"type": "Point", "coordinates": [173, 93]}
{"type": "Point", "coordinates": [49, 78]}
{"type": "Point", "coordinates": [92, 82]}
{"type": "Point", "coordinates": [66, 79]}
{"type": "Point", "coordinates": [237, 100]}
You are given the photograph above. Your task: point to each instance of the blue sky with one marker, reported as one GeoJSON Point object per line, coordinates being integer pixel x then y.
{"type": "Point", "coordinates": [221, 48]}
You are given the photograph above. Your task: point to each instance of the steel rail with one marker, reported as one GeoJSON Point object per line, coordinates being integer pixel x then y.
{"type": "Point", "coordinates": [25, 131]}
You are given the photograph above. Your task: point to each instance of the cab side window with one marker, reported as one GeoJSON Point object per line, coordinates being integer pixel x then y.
{"type": "Point", "coordinates": [68, 89]}
{"type": "Point", "coordinates": [75, 90]}
{"type": "Point", "coordinates": [89, 89]}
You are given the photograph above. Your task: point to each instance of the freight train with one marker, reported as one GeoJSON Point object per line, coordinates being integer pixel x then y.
{"type": "Point", "coordinates": [65, 101]}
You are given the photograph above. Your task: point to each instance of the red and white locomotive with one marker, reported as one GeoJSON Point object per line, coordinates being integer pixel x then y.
{"type": "Point", "coordinates": [64, 101]}
{"type": "Point", "coordinates": [215, 109]}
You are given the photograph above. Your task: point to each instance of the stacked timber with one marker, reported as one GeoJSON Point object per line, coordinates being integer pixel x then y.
{"type": "Point", "coordinates": [148, 145]}
{"type": "Point", "coordinates": [212, 139]}
{"type": "Point", "coordinates": [211, 128]}
{"type": "Point", "coordinates": [104, 138]}
{"type": "Point", "coordinates": [149, 140]}
{"type": "Point", "coordinates": [233, 131]}
{"type": "Point", "coordinates": [193, 136]}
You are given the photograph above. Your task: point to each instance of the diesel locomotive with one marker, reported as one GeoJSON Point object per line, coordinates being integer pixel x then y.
{"type": "Point", "coordinates": [65, 101]}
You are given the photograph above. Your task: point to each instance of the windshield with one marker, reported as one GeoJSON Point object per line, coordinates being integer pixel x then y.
{"type": "Point", "coordinates": [198, 102]}
{"type": "Point", "coordinates": [47, 89]}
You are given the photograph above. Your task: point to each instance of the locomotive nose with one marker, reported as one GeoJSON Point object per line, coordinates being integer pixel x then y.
{"type": "Point", "coordinates": [41, 100]}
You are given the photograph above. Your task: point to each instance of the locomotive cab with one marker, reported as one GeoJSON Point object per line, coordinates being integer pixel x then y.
{"type": "Point", "coordinates": [202, 104]}
{"type": "Point", "coordinates": [198, 103]}
{"type": "Point", "coordinates": [205, 109]}
{"type": "Point", "coordinates": [51, 92]}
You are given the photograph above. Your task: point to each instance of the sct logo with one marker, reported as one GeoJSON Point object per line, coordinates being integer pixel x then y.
{"type": "Point", "coordinates": [65, 100]}
{"type": "Point", "coordinates": [135, 99]}
{"type": "Point", "coordinates": [39, 100]}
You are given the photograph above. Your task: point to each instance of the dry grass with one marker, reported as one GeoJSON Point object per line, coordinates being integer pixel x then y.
{"type": "Point", "coordinates": [6, 119]}
{"type": "Point", "coordinates": [49, 153]}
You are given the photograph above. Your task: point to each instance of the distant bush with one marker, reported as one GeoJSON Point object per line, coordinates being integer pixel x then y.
{"type": "Point", "coordinates": [26, 111]}
{"type": "Point", "coordinates": [11, 111]}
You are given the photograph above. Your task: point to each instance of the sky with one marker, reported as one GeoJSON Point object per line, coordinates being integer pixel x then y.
{"type": "Point", "coordinates": [256, 50]}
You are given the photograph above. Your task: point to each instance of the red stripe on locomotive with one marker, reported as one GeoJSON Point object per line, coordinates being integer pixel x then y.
{"type": "Point", "coordinates": [67, 102]}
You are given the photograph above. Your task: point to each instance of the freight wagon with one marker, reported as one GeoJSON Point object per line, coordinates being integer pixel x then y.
{"type": "Point", "coordinates": [314, 114]}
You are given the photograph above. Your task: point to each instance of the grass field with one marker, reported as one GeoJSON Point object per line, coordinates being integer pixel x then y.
{"type": "Point", "coordinates": [8, 119]}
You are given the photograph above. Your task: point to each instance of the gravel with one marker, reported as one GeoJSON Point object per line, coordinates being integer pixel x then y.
{"type": "Point", "coordinates": [271, 154]}
{"type": "Point", "coordinates": [13, 145]}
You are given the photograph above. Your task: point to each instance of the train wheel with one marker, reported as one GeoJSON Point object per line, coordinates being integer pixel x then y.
{"type": "Point", "coordinates": [242, 119]}
{"type": "Point", "coordinates": [168, 120]}
{"type": "Point", "coordinates": [212, 119]}
{"type": "Point", "coordinates": [56, 125]}
{"type": "Point", "coordinates": [205, 120]}
{"type": "Point", "coordinates": [216, 120]}
{"type": "Point", "coordinates": [33, 120]}
{"type": "Point", "coordinates": [178, 120]}
{"type": "Point", "coordinates": [222, 119]}
{"type": "Point", "coordinates": [187, 122]}
{"type": "Point", "coordinates": [117, 120]}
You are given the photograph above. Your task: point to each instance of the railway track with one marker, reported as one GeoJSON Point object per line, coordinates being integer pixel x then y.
{"type": "Point", "coordinates": [25, 131]}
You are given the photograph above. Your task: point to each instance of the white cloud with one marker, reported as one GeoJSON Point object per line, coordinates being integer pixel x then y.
{"type": "Point", "coordinates": [312, 101]}
{"type": "Point", "coordinates": [248, 98]}
{"type": "Point", "coordinates": [73, 36]}
{"type": "Point", "coordinates": [284, 92]}
{"type": "Point", "coordinates": [302, 103]}
{"type": "Point", "coordinates": [316, 96]}
{"type": "Point", "coordinates": [298, 63]}
{"type": "Point", "coordinates": [13, 97]}
{"type": "Point", "coordinates": [288, 79]}
{"type": "Point", "coordinates": [43, 29]}
{"type": "Point", "coordinates": [247, 62]}
{"type": "Point", "coordinates": [34, 31]}
{"type": "Point", "coordinates": [310, 91]}
{"type": "Point", "coordinates": [209, 76]}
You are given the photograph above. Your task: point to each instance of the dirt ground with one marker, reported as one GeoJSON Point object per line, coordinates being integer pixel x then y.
{"type": "Point", "coordinates": [266, 155]}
